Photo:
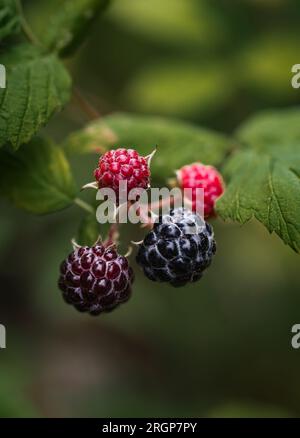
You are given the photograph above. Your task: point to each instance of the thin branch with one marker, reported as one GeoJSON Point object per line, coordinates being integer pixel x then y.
{"type": "Point", "coordinates": [91, 112]}
{"type": "Point", "coordinates": [84, 205]}
{"type": "Point", "coordinates": [25, 26]}
{"type": "Point", "coordinates": [112, 237]}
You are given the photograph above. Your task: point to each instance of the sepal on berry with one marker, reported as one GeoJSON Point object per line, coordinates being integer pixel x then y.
{"type": "Point", "coordinates": [91, 185]}
{"type": "Point", "coordinates": [149, 157]}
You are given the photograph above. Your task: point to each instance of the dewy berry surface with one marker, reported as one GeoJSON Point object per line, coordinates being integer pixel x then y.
{"type": "Point", "coordinates": [95, 279]}
{"type": "Point", "coordinates": [198, 175]}
{"type": "Point", "coordinates": [122, 165]}
{"type": "Point", "coordinates": [178, 249]}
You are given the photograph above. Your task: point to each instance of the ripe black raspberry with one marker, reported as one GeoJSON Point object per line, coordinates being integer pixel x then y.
{"type": "Point", "coordinates": [122, 165]}
{"type": "Point", "coordinates": [95, 279]}
{"type": "Point", "coordinates": [178, 249]}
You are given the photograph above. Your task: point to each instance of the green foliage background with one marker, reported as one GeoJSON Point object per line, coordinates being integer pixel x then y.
{"type": "Point", "coordinates": [217, 348]}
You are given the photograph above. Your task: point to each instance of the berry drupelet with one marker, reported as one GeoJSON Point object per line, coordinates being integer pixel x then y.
{"type": "Point", "coordinates": [95, 279]}
{"type": "Point", "coordinates": [122, 165]}
{"type": "Point", "coordinates": [178, 249]}
{"type": "Point", "coordinates": [197, 176]}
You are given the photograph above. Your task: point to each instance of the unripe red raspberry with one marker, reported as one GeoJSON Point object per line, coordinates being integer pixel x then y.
{"type": "Point", "coordinates": [197, 176]}
{"type": "Point", "coordinates": [95, 279]}
{"type": "Point", "coordinates": [122, 165]}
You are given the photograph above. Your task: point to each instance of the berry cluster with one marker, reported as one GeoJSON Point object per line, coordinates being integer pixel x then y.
{"type": "Point", "coordinates": [177, 250]}
{"type": "Point", "coordinates": [95, 279]}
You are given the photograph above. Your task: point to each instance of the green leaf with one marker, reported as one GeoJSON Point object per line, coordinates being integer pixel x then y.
{"type": "Point", "coordinates": [264, 178]}
{"type": "Point", "coordinates": [37, 86]}
{"type": "Point", "coordinates": [89, 230]}
{"type": "Point", "coordinates": [271, 128]}
{"type": "Point", "coordinates": [68, 23]}
{"type": "Point", "coordinates": [178, 143]}
{"type": "Point", "coordinates": [9, 19]}
{"type": "Point", "coordinates": [37, 178]}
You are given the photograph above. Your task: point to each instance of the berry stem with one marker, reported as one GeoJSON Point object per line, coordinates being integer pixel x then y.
{"type": "Point", "coordinates": [25, 26]}
{"type": "Point", "coordinates": [146, 220]}
{"type": "Point", "coordinates": [163, 202]}
{"type": "Point", "coordinates": [84, 205]}
{"type": "Point", "coordinates": [112, 236]}
{"type": "Point", "coordinates": [91, 112]}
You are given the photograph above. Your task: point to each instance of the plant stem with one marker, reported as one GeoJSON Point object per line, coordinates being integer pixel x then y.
{"type": "Point", "coordinates": [84, 205]}
{"type": "Point", "coordinates": [86, 107]}
{"type": "Point", "coordinates": [25, 26]}
{"type": "Point", "coordinates": [112, 236]}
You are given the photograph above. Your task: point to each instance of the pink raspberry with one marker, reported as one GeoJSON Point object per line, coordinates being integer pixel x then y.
{"type": "Point", "coordinates": [122, 165]}
{"type": "Point", "coordinates": [198, 175]}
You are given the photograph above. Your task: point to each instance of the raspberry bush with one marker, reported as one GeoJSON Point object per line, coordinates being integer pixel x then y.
{"type": "Point", "coordinates": [253, 174]}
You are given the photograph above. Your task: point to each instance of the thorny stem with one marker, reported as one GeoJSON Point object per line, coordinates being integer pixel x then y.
{"type": "Point", "coordinates": [166, 201]}
{"type": "Point", "coordinates": [25, 26]}
{"type": "Point", "coordinates": [84, 205]}
{"type": "Point", "coordinates": [148, 220]}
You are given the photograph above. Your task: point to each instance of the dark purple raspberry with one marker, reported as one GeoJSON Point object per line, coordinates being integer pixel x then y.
{"type": "Point", "coordinates": [95, 279]}
{"type": "Point", "coordinates": [178, 249]}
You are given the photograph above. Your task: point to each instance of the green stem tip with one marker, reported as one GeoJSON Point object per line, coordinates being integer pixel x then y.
{"type": "Point", "coordinates": [84, 205]}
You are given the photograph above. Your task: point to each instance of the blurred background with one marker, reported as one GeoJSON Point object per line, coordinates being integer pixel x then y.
{"type": "Point", "coordinates": [221, 347]}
